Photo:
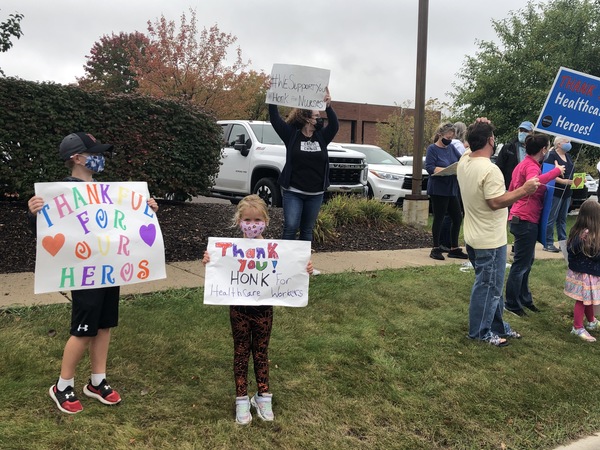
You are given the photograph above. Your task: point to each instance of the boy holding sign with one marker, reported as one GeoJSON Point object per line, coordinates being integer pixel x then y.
{"type": "Point", "coordinates": [94, 311]}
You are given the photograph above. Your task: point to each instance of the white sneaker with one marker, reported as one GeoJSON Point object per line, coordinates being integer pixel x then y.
{"type": "Point", "coordinates": [264, 406]}
{"type": "Point", "coordinates": [242, 410]}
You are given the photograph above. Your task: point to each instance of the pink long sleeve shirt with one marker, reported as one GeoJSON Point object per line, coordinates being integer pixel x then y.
{"type": "Point", "coordinates": [530, 207]}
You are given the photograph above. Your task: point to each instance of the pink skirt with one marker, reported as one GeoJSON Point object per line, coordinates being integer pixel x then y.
{"type": "Point", "coordinates": [583, 287]}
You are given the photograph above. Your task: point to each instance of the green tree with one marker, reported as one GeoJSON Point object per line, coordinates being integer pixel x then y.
{"type": "Point", "coordinates": [10, 28]}
{"type": "Point", "coordinates": [109, 64]}
{"type": "Point", "coordinates": [185, 64]}
{"type": "Point", "coordinates": [509, 80]}
{"type": "Point", "coordinates": [396, 134]}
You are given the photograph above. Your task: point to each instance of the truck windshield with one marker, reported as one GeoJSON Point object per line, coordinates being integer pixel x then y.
{"type": "Point", "coordinates": [265, 133]}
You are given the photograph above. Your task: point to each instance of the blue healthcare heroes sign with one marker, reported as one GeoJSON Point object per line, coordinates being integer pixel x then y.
{"type": "Point", "coordinates": [572, 108]}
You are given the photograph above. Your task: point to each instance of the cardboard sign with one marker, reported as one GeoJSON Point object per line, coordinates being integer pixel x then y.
{"type": "Point", "coordinates": [93, 235]}
{"type": "Point", "coordinates": [255, 272]}
{"type": "Point", "coordinates": [572, 108]}
{"type": "Point", "coordinates": [298, 86]}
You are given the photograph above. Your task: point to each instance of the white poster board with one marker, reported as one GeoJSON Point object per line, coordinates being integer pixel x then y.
{"type": "Point", "coordinates": [92, 235]}
{"type": "Point", "coordinates": [298, 86]}
{"type": "Point", "coordinates": [256, 272]}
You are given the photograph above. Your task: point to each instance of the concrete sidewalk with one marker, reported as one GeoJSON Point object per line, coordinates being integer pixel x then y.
{"type": "Point", "coordinates": [17, 288]}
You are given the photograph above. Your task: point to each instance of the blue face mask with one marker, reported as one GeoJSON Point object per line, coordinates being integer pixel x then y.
{"type": "Point", "coordinates": [566, 147]}
{"type": "Point", "coordinates": [522, 136]}
{"type": "Point", "coordinates": [95, 163]}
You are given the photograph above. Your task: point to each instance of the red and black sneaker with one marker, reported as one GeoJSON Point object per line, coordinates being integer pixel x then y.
{"type": "Point", "coordinates": [66, 400]}
{"type": "Point", "coordinates": [103, 393]}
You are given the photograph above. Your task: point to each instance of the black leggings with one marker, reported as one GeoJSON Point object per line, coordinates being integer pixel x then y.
{"type": "Point", "coordinates": [441, 206]}
{"type": "Point", "coordinates": [251, 329]}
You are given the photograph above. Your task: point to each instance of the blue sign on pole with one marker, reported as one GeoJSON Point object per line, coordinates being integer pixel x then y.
{"type": "Point", "coordinates": [572, 108]}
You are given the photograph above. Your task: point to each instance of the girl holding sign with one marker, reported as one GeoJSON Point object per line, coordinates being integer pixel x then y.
{"type": "Point", "coordinates": [251, 325]}
{"type": "Point", "coordinates": [305, 176]}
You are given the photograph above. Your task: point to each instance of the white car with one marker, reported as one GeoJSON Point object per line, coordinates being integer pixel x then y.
{"type": "Point", "coordinates": [591, 184]}
{"type": "Point", "coordinates": [388, 179]}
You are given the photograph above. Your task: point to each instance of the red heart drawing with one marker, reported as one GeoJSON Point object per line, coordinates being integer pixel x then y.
{"type": "Point", "coordinates": [577, 181]}
{"type": "Point", "coordinates": [53, 244]}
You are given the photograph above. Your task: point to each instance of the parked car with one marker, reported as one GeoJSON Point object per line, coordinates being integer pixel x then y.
{"type": "Point", "coordinates": [591, 184]}
{"type": "Point", "coordinates": [253, 156]}
{"type": "Point", "coordinates": [388, 180]}
{"type": "Point", "coordinates": [407, 160]}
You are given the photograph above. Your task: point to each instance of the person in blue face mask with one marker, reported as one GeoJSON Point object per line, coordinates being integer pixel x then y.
{"type": "Point", "coordinates": [513, 152]}
{"type": "Point", "coordinates": [562, 193]}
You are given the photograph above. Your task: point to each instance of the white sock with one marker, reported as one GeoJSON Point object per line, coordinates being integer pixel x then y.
{"type": "Point", "coordinates": [62, 384]}
{"type": "Point", "coordinates": [97, 378]}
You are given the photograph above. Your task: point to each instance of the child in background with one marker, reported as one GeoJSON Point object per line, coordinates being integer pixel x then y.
{"type": "Point", "coordinates": [583, 276]}
{"type": "Point", "coordinates": [251, 325]}
{"type": "Point", "coordinates": [94, 311]}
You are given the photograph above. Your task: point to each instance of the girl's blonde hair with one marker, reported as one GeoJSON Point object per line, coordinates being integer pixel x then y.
{"type": "Point", "coordinates": [587, 228]}
{"type": "Point", "coordinates": [251, 201]}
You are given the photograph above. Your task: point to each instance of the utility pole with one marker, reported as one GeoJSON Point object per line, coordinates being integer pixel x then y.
{"type": "Point", "coordinates": [416, 205]}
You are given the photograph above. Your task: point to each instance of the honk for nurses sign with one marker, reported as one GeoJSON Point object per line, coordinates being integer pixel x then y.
{"type": "Point", "coordinates": [572, 108]}
{"type": "Point", "coordinates": [298, 86]}
{"type": "Point", "coordinates": [255, 272]}
{"type": "Point", "coordinates": [93, 235]}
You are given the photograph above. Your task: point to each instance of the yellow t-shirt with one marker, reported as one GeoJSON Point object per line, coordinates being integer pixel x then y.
{"type": "Point", "coordinates": [479, 180]}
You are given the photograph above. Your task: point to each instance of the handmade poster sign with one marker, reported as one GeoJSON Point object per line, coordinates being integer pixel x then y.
{"type": "Point", "coordinates": [92, 235]}
{"type": "Point", "coordinates": [256, 272]}
{"type": "Point", "coordinates": [298, 86]}
{"type": "Point", "coordinates": [578, 181]}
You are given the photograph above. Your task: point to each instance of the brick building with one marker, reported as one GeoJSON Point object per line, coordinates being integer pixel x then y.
{"type": "Point", "coordinates": [358, 121]}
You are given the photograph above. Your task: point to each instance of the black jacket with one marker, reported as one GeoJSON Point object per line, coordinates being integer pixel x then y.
{"type": "Point", "coordinates": [507, 160]}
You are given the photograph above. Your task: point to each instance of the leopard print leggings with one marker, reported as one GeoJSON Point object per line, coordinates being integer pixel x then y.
{"type": "Point", "coordinates": [251, 329]}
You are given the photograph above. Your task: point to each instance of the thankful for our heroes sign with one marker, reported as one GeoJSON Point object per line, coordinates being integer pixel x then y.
{"type": "Point", "coordinates": [256, 272]}
{"type": "Point", "coordinates": [92, 235]}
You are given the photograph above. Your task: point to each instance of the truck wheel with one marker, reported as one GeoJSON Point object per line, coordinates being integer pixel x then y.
{"type": "Point", "coordinates": [269, 191]}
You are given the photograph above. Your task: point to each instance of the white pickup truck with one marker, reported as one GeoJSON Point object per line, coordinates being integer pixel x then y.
{"type": "Point", "coordinates": [253, 156]}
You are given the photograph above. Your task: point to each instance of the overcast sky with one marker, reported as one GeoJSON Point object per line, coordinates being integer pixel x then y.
{"type": "Point", "coordinates": [369, 46]}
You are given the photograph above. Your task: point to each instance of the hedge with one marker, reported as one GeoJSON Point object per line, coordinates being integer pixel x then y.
{"type": "Point", "coordinates": [173, 146]}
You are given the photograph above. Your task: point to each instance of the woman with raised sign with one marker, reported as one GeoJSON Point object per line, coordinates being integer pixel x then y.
{"type": "Point", "coordinates": [305, 176]}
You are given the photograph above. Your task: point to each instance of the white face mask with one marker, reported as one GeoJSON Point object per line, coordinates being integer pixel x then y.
{"type": "Point", "coordinates": [252, 229]}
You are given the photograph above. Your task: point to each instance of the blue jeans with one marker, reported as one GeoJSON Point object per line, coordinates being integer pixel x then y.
{"type": "Point", "coordinates": [517, 284]}
{"type": "Point", "coordinates": [558, 216]}
{"type": "Point", "coordinates": [486, 305]}
{"type": "Point", "coordinates": [300, 211]}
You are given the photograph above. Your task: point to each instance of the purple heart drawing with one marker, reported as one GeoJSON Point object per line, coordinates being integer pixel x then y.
{"type": "Point", "coordinates": [148, 234]}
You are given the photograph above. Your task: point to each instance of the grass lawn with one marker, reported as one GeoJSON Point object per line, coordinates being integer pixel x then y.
{"type": "Point", "coordinates": [376, 361]}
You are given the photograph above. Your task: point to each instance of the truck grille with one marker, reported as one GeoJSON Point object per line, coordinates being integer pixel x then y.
{"type": "Point", "coordinates": [408, 182]}
{"type": "Point", "coordinates": [345, 170]}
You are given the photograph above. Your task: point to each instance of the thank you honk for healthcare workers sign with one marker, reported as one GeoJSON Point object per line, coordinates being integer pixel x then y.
{"type": "Point", "coordinates": [572, 108]}
{"type": "Point", "coordinates": [93, 235]}
{"type": "Point", "coordinates": [256, 272]}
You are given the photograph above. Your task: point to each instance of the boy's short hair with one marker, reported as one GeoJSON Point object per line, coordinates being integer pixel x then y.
{"type": "Point", "coordinates": [81, 142]}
